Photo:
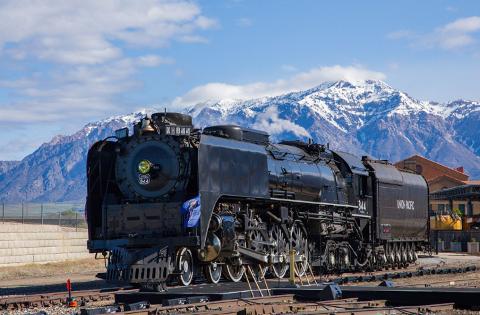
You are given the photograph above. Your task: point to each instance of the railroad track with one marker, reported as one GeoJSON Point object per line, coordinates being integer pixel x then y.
{"type": "Point", "coordinates": [473, 282]}
{"type": "Point", "coordinates": [287, 304]}
{"type": "Point", "coordinates": [379, 275]}
{"type": "Point", "coordinates": [84, 297]}
{"type": "Point", "coordinates": [9, 303]}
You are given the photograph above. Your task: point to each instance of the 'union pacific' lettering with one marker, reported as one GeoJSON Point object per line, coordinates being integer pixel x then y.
{"type": "Point", "coordinates": [406, 204]}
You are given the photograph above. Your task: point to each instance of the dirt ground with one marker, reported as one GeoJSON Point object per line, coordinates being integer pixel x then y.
{"type": "Point", "coordinates": [48, 275]}
{"type": "Point", "coordinates": [83, 266]}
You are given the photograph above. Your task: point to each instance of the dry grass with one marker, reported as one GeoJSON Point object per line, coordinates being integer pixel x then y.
{"type": "Point", "coordinates": [82, 266]}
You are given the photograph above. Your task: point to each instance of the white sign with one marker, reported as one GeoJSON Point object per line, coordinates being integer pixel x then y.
{"type": "Point", "coordinates": [406, 204]}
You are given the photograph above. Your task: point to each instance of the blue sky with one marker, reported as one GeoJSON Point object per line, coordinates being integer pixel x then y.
{"type": "Point", "coordinates": [63, 64]}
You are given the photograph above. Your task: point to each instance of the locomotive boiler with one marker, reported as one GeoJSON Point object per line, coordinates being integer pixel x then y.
{"type": "Point", "coordinates": [169, 202]}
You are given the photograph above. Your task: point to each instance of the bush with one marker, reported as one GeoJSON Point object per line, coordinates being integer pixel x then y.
{"type": "Point", "coordinates": [71, 213]}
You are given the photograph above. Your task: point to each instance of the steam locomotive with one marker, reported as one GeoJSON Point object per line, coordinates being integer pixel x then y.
{"type": "Point", "coordinates": [168, 202]}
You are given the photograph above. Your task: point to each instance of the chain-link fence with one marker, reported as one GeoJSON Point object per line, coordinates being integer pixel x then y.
{"type": "Point", "coordinates": [63, 214]}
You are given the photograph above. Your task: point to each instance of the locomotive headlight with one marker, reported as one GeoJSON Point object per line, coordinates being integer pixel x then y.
{"type": "Point", "coordinates": [144, 166]}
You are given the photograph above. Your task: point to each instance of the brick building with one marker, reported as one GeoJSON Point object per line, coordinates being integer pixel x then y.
{"type": "Point", "coordinates": [441, 177]}
{"type": "Point", "coordinates": [437, 175]}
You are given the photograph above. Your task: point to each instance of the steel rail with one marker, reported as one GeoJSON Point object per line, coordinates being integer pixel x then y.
{"type": "Point", "coordinates": [286, 304]}
{"type": "Point", "coordinates": [15, 302]}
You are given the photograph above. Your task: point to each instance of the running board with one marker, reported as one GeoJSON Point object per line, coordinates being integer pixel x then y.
{"type": "Point", "coordinates": [266, 258]}
{"type": "Point", "coordinates": [253, 254]}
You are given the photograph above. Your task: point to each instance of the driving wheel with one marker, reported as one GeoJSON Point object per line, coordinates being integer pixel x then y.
{"type": "Point", "coordinates": [282, 249]}
{"type": "Point", "coordinates": [300, 245]}
{"type": "Point", "coordinates": [256, 242]}
{"type": "Point", "coordinates": [213, 272]}
{"type": "Point", "coordinates": [234, 272]}
{"type": "Point", "coordinates": [185, 266]}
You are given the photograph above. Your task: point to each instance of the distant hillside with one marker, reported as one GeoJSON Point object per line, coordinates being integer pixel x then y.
{"type": "Point", "coordinates": [7, 165]}
{"type": "Point", "coordinates": [56, 170]}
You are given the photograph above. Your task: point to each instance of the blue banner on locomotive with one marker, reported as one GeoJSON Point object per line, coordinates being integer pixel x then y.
{"type": "Point", "coordinates": [170, 203]}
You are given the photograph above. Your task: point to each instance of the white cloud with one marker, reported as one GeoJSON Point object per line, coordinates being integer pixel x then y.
{"type": "Point", "coordinates": [153, 60]}
{"type": "Point", "coordinates": [79, 92]}
{"type": "Point", "coordinates": [453, 41]}
{"type": "Point", "coordinates": [299, 81]}
{"type": "Point", "coordinates": [81, 47]}
{"type": "Point", "coordinates": [271, 123]}
{"type": "Point", "coordinates": [458, 33]}
{"type": "Point", "coordinates": [17, 84]}
{"type": "Point", "coordinates": [84, 31]}
{"type": "Point", "coordinates": [205, 23]}
{"type": "Point", "coordinates": [75, 60]}
{"type": "Point", "coordinates": [452, 36]}
{"type": "Point", "coordinates": [470, 24]}
{"type": "Point", "coordinates": [193, 39]}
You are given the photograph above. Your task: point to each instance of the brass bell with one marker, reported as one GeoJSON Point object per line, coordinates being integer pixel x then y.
{"type": "Point", "coordinates": [147, 126]}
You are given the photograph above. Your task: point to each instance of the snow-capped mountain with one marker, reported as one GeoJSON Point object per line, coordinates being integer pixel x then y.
{"type": "Point", "coordinates": [365, 118]}
{"type": "Point", "coordinates": [465, 120]}
{"type": "Point", "coordinates": [56, 170]}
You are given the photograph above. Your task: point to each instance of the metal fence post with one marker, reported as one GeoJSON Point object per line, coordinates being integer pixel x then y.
{"type": "Point", "coordinates": [23, 219]}
{"type": "Point", "coordinates": [60, 219]}
{"type": "Point", "coordinates": [41, 213]}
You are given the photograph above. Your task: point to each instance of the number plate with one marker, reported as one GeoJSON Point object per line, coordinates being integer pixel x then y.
{"type": "Point", "coordinates": [144, 179]}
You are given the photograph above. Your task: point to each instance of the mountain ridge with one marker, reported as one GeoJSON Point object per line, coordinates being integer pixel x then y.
{"type": "Point", "coordinates": [7, 165]}
{"type": "Point", "coordinates": [364, 118]}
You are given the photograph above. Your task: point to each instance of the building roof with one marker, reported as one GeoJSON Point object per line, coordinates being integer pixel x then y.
{"type": "Point", "coordinates": [443, 179]}
{"type": "Point", "coordinates": [450, 178]}
{"type": "Point", "coordinates": [472, 182]}
{"type": "Point", "coordinates": [451, 172]}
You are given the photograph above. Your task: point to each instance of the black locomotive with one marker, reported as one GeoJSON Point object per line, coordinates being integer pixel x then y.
{"type": "Point", "coordinates": [171, 201]}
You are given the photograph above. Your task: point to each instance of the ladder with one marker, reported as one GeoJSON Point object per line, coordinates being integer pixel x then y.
{"type": "Point", "coordinates": [249, 273]}
{"type": "Point", "coordinates": [308, 273]}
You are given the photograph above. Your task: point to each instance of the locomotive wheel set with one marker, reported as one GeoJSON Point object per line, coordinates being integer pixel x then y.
{"type": "Point", "coordinates": [170, 202]}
